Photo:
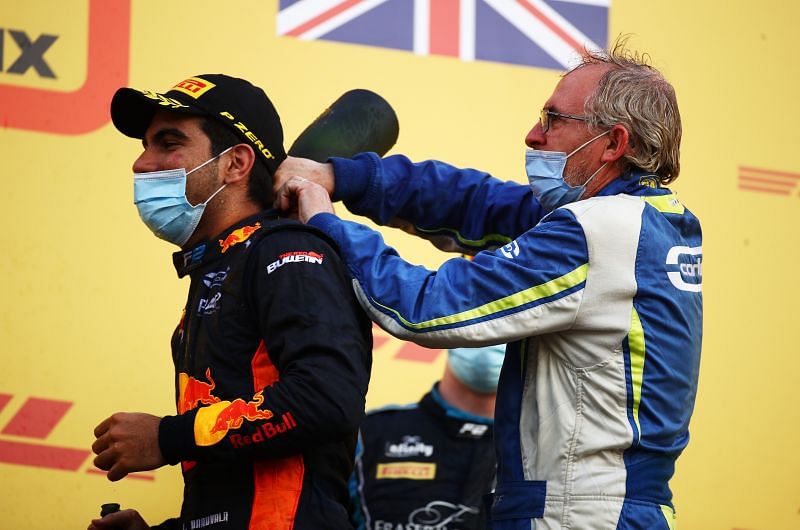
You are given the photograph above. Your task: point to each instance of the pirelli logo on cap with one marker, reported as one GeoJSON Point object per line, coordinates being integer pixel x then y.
{"type": "Point", "coordinates": [194, 86]}
{"type": "Point", "coordinates": [407, 470]}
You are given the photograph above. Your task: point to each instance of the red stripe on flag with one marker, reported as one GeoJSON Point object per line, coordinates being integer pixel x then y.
{"type": "Point", "coordinates": [36, 455]}
{"type": "Point", "coordinates": [552, 26]}
{"type": "Point", "coordinates": [319, 19]}
{"type": "Point", "coordinates": [770, 172]}
{"type": "Point", "coordinates": [37, 418]}
{"type": "Point", "coordinates": [444, 27]}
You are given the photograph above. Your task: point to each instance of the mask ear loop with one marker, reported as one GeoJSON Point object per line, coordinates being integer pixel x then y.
{"type": "Point", "coordinates": [584, 144]}
{"type": "Point", "coordinates": [209, 160]}
{"type": "Point", "coordinates": [205, 203]}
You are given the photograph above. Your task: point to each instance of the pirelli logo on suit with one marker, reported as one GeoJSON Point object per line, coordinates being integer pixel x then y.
{"type": "Point", "coordinates": [407, 470]}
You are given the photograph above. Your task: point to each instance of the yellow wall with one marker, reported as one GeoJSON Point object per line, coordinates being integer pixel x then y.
{"type": "Point", "coordinates": [90, 297]}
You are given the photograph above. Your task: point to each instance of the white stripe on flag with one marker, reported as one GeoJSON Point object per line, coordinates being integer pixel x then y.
{"type": "Point", "coordinates": [466, 32]}
{"type": "Point", "coordinates": [422, 27]}
{"type": "Point", "coordinates": [536, 30]}
{"type": "Point", "coordinates": [301, 12]}
{"type": "Point", "coordinates": [564, 24]}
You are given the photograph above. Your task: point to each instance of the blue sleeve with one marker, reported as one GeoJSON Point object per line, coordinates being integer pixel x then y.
{"type": "Point", "coordinates": [530, 286]}
{"type": "Point", "coordinates": [460, 210]}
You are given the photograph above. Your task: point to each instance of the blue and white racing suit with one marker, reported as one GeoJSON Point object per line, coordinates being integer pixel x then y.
{"type": "Point", "coordinates": [601, 302]}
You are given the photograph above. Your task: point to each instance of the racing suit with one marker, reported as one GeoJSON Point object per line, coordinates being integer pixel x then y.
{"type": "Point", "coordinates": [601, 301]}
{"type": "Point", "coordinates": [422, 467]}
{"type": "Point", "coordinates": [272, 358]}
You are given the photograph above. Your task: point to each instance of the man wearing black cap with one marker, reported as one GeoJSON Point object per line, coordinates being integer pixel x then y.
{"type": "Point", "coordinates": [272, 353]}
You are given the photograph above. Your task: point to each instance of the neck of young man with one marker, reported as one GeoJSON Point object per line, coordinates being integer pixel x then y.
{"type": "Point", "coordinates": [222, 217]}
{"type": "Point", "coordinates": [462, 397]}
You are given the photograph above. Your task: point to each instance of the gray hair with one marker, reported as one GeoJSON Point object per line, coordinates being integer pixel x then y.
{"type": "Point", "coordinates": [635, 95]}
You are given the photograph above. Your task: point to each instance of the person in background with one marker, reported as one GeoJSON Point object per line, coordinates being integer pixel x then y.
{"type": "Point", "coordinates": [429, 464]}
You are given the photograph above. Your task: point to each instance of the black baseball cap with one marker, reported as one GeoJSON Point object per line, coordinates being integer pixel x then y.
{"type": "Point", "coordinates": [237, 103]}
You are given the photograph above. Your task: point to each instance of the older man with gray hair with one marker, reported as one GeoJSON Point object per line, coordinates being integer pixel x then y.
{"type": "Point", "coordinates": [592, 273]}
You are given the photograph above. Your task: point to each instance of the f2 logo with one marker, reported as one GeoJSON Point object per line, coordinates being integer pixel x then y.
{"type": "Point", "coordinates": [31, 53]}
{"type": "Point", "coordinates": [86, 108]}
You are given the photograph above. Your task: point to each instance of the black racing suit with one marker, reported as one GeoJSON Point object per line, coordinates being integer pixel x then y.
{"type": "Point", "coordinates": [422, 467]}
{"type": "Point", "coordinates": [272, 361]}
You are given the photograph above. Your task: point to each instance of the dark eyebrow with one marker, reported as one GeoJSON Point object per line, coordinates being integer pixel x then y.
{"type": "Point", "coordinates": [163, 133]}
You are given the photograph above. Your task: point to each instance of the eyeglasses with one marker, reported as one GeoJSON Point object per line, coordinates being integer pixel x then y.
{"type": "Point", "coordinates": [545, 118]}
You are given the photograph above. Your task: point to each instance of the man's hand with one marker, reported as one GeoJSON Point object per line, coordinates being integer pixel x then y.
{"type": "Point", "coordinates": [127, 442]}
{"type": "Point", "coordinates": [321, 174]}
{"type": "Point", "coordinates": [303, 199]}
{"type": "Point", "coordinates": [121, 520]}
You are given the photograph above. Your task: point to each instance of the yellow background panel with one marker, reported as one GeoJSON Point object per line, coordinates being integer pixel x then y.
{"type": "Point", "coordinates": [91, 298]}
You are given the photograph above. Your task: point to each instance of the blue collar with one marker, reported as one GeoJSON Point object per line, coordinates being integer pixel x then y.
{"type": "Point", "coordinates": [635, 182]}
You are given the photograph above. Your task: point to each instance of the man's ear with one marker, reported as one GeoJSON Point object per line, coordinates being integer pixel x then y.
{"type": "Point", "coordinates": [236, 166]}
{"type": "Point", "coordinates": [618, 138]}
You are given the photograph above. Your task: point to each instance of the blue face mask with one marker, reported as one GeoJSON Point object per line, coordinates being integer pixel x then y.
{"type": "Point", "coordinates": [478, 368]}
{"type": "Point", "coordinates": [160, 197]}
{"type": "Point", "coordinates": [545, 171]}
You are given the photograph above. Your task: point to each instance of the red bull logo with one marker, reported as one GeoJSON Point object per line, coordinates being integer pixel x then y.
{"type": "Point", "coordinates": [213, 422]}
{"type": "Point", "coordinates": [194, 392]}
{"type": "Point", "coordinates": [265, 431]}
{"type": "Point", "coordinates": [232, 416]}
{"type": "Point", "coordinates": [238, 236]}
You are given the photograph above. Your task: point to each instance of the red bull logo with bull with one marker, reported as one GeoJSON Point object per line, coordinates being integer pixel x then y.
{"type": "Point", "coordinates": [216, 417]}
{"type": "Point", "coordinates": [193, 392]}
{"type": "Point", "coordinates": [238, 236]}
{"type": "Point", "coordinates": [232, 415]}
{"type": "Point", "coordinates": [213, 422]}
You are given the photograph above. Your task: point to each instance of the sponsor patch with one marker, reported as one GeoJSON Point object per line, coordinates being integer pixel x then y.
{"type": "Point", "coordinates": [298, 256]}
{"type": "Point", "coordinates": [689, 264]}
{"type": "Point", "coordinates": [213, 422]}
{"type": "Point", "coordinates": [511, 250]}
{"type": "Point", "coordinates": [472, 430]}
{"type": "Point", "coordinates": [194, 87]}
{"type": "Point", "coordinates": [209, 306]}
{"type": "Point", "coordinates": [215, 279]}
{"type": "Point", "coordinates": [407, 470]}
{"type": "Point", "coordinates": [238, 236]}
{"type": "Point", "coordinates": [408, 446]}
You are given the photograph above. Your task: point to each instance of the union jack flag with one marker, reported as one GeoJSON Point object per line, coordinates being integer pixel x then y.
{"type": "Point", "coordinates": [543, 33]}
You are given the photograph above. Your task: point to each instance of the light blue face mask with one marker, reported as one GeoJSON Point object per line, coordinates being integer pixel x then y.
{"type": "Point", "coordinates": [160, 197]}
{"type": "Point", "coordinates": [545, 171]}
{"type": "Point", "coordinates": [478, 368]}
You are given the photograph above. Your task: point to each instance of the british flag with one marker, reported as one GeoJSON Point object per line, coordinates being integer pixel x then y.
{"type": "Point", "coordinates": [543, 33]}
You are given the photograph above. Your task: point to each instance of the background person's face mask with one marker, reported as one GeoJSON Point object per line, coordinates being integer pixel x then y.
{"type": "Point", "coordinates": [545, 171]}
{"type": "Point", "coordinates": [160, 197]}
{"type": "Point", "coordinates": [478, 368]}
